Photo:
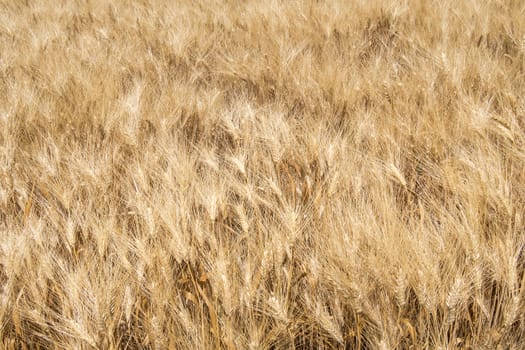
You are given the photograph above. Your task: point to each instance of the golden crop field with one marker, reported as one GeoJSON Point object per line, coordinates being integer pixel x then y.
{"type": "Point", "coordinates": [248, 174]}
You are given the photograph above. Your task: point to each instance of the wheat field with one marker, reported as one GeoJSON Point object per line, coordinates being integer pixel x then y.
{"type": "Point", "coordinates": [262, 174]}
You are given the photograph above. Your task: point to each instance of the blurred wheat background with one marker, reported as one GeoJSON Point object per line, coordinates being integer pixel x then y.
{"type": "Point", "coordinates": [262, 174]}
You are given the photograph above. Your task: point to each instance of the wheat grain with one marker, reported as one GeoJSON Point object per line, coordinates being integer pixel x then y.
{"type": "Point", "coordinates": [246, 174]}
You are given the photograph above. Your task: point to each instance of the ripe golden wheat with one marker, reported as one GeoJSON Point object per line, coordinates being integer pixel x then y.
{"type": "Point", "coordinates": [262, 174]}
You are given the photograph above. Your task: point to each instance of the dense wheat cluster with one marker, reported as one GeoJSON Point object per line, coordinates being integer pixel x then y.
{"type": "Point", "coordinates": [262, 174]}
